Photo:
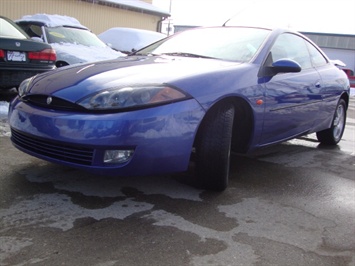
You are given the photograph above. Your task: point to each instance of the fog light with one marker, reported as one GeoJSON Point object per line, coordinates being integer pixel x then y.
{"type": "Point", "coordinates": [118, 156]}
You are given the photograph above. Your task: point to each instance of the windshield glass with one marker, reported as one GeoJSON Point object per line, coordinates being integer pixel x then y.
{"type": "Point", "coordinates": [73, 35]}
{"type": "Point", "coordinates": [226, 43]}
{"type": "Point", "coordinates": [8, 30]}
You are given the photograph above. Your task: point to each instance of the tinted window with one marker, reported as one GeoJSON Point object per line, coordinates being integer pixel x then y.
{"type": "Point", "coordinates": [293, 47]}
{"type": "Point", "coordinates": [32, 30]}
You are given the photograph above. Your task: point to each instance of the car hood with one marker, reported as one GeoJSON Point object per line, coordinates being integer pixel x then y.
{"type": "Point", "coordinates": [77, 53]}
{"type": "Point", "coordinates": [75, 82]}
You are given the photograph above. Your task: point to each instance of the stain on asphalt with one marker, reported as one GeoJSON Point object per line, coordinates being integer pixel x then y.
{"type": "Point", "coordinates": [289, 200]}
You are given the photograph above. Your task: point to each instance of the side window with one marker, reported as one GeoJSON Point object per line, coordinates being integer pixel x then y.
{"type": "Point", "coordinates": [293, 47]}
{"type": "Point", "coordinates": [32, 30]}
{"type": "Point", "coordinates": [317, 58]}
{"type": "Point", "coordinates": [36, 31]}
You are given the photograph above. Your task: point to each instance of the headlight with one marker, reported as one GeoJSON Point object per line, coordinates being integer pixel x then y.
{"type": "Point", "coordinates": [135, 96]}
{"type": "Point", "coordinates": [24, 87]}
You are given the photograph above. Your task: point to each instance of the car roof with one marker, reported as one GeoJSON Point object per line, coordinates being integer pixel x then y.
{"type": "Point", "coordinates": [52, 20]}
{"type": "Point", "coordinates": [126, 39]}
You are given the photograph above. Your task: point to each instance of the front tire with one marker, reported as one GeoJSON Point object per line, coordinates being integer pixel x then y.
{"type": "Point", "coordinates": [333, 135]}
{"type": "Point", "coordinates": [213, 145]}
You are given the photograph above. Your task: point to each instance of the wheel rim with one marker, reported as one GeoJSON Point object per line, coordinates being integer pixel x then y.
{"type": "Point", "coordinates": [339, 121]}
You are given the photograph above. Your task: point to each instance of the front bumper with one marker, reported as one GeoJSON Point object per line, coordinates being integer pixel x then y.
{"type": "Point", "coordinates": [161, 137]}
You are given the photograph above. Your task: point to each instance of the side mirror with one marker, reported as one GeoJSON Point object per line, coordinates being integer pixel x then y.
{"type": "Point", "coordinates": [286, 66]}
{"type": "Point", "coordinates": [280, 66]}
{"type": "Point", "coordinates": [37, 39]}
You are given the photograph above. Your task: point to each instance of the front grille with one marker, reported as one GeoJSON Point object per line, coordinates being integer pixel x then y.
{"type": "Point", "coordinates": [56, 150]}
{"type": "Point", "coordinates": [56, 103]}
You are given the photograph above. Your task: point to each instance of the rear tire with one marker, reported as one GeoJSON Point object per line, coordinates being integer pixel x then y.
{"type": "Point", "coordinates": [213, 145]}
{"type": "Point", "coordinates": [59, 64]}
{"type": "Point", "coordinates": [333, 135]}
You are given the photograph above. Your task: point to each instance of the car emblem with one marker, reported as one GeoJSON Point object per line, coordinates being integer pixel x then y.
{"type": "Point", "coordinates": [18, 44]}
{"type": "Point", "coordinates": [49, 100]}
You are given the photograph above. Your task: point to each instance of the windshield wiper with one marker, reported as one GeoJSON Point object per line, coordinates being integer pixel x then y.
{"type": "Point", "coordinates": [144, 54]}
{"type": "Point", "coordinates": [187, 55]}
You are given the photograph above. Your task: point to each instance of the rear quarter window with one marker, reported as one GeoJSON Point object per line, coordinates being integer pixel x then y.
{"type": "Point", "coordinates": [318, 59]}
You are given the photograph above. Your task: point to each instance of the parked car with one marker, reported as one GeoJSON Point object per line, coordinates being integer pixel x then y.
{"type": "Point", "coordinates": [128, 40]}
{"type": "Point", "coordinates": [197, 94]}
{"type": "Point", "coordinates": [21, 57]}
{"type": "Point", "coordinates": [73, 42]}
{"type": "Point", "coordinates": [351, 76]}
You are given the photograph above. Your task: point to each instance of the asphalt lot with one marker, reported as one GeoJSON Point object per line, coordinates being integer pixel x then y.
{"type": "Point", "coordinates": [292, 204]}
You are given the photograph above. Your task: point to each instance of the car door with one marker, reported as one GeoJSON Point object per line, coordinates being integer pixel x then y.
{"type": "Point", "coordinates": [291, 99]}
{"type": "Point", "coordinates": [333, 83]}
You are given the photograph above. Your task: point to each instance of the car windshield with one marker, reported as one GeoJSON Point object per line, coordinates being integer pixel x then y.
{"type": "Point", "coordinates": [8, 30]}
{"type": "Point", "coordinates": [73, 35]}
{"type": "Point", "coordinates": [225, 43]}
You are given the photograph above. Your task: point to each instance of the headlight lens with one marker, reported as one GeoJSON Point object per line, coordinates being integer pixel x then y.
{"type": "Point", "coordinates": [135, 96]}
{"type": "Point", "coordinates": [24, 87]}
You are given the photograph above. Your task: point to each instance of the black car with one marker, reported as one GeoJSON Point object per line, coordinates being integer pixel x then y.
{"type": "Point", "coordinates": [20, 56]}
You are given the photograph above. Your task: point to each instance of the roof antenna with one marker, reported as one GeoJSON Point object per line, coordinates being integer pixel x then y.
{"type": "Point", "coordinates": [240, 11]}
{"type": "Point", "coordinates": [224, 24]}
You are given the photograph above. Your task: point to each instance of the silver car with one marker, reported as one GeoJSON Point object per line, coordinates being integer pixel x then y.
{"type": "Point", "coordinates": [73, 42]}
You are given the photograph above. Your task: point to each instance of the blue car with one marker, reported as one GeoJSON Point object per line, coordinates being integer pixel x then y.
{"type": "Point", "coordinates": [198, 94]}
